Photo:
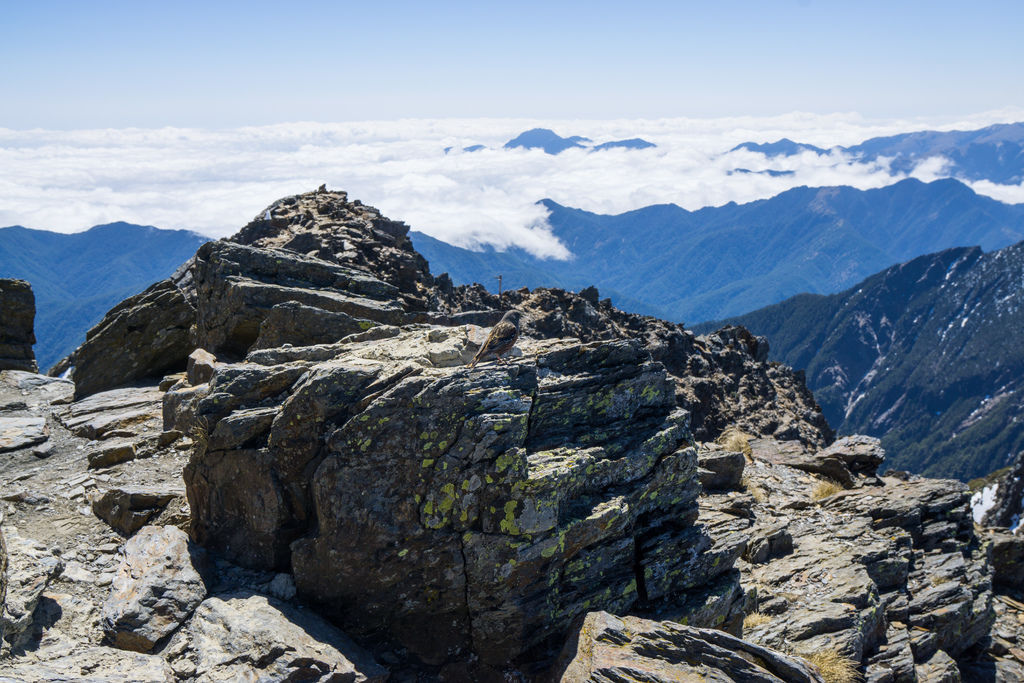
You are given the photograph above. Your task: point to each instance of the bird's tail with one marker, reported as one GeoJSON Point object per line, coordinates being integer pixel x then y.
{"type": "Point", "coordinates": [476, 359]}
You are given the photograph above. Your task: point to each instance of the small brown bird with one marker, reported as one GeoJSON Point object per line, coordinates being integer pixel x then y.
{"type": "Point", "coordinates": [502, 338]}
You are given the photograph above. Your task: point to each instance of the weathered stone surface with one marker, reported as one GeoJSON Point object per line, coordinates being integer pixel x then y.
{"type": "Point", "coordinates": [1007, 558]}
{"type": "Point", "coordinates": [31, 567]}
{"type": "Point", "coordinates": [200, 366]}
{"type": "Point", "coordinates": [86, 664]}
{"type": "Point", "coordinates": [157, 586]}
{"type": "Point", "coordinates": [110, 453]}
{"type": "Point", "coordinates": [720, 469]}
{"type": "Point", "coordinates": [22, 392]}
{"type": "Point", "coordinates": [327, 226]}
{"type": "Point", "coordinates": [3, 577]}
{"type": "Point", "coordinates": [17, 321]}
{"type": "Point", "coordinates": [860, 454]}
{"type": "Point", "coordinates": [242, 636]}
{"type": "Point", "coordinates": [237, 286]}
{"type": "Point", "coordinates": [126, 412]}
{"type": "Point", "coordinates": [22, 432]}
{"type": "Point", "coordinates": [939, 668]}
{"type": "Point", "coordinates": [128, 509]}
{"type": "Point", "coordinates": [887, 573]}
{"type": "Point", "coordinates": [146, 335]}
{"type": "Point", "coordinates": [629, 649]}
{"type": "Point", "coordinates": [294, 323]}
{"type": "Point", "coordinates": [490, 505]}
{"type": "Point", "coordinates": [720, 378]}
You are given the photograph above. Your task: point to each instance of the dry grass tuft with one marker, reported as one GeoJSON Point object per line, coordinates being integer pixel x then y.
{"type": "Point", "coordinates": [755, 619]}
{"type": "Point", "coordinates": [825, 489]}
{"type": "Point", "coordinates": [756, 492]}
{"type": "Point", "coordinates": [735, 439]}
{"type": "Point", "coordinates": [834, 667]}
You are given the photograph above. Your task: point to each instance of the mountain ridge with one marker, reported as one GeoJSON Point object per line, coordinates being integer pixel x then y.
{"type": "Point", "coordinates": [918, 355]}
{"type": "Point", "coordinates": [78, 276]}
{"type": "Point", "coordinates": [715, 262]}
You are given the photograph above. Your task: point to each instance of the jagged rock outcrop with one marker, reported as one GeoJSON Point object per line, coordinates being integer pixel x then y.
{"type": "Point", "coordinates": [721, 378]}
{"type": "Point", "coordinates": [314, 268]}
{"type": "Point", "coordinates": [492, 506]}
{"type": "Point", "coordinates": [17, 319]}
{"type": "Point", "coordinates": [634, 650]}
{"type": "Point", "coordinates": [146, 335]}
{"type": "Point", "coordinates": [886, 571]}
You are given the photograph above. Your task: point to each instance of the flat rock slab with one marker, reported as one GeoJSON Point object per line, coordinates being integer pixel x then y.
{"type": "Point", "coordinates": [32, 390]}
{"type": "Point", "coordinates": [246, 636]}
{"type": "Point", "coordinates": [118, 411]}
{"type": "Point", "coordinates": [156, 588]}
{"type": "Point", "coordinates": [22, 432]}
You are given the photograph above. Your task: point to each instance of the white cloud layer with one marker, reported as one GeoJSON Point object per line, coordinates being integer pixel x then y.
{"type": "Point", "coordinates": [214, 181]}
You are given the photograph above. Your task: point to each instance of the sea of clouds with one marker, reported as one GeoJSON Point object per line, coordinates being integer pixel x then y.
{"type": "Point", "coordinates": [214, 181]}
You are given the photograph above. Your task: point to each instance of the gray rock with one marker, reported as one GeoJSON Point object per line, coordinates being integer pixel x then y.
{"type": "Point", "coordinates": [127, 412]}
{"type": "Point", "coordinates": [146, 335]}
{"type": "Point", "coordinates": [1007, 558]}
{"type": "Point", "coordinates": [31, 568]}
{"type": "Point", "coordinates": [861, 454]}
{"type": "Point", "coordinates": [83, 663]}
{"type": "Point", "coordinates": [242, 636]}
{"type": "Point", "coordinates": [22, 432]}
{"type": "Point", "coordinates": [157, 586]}
{"type": "Point", "coordinates": [525, 492]}
{"type": "Point", "coordinates": [201, 364]}
{"type": "Point", "coordinates": [720, 469]}
{"type": "Point", "coordinates": [630, 649]}
{"type": "Point", "coordinates": [940, 668]}
{"type": "Point", "coordinates": [111, 453]}
{"type": "Point", "coordinates": [127, 509]}
{"type": "Point", "coordinates": [17, 313]}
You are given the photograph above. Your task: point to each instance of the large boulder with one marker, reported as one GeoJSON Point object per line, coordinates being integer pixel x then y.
{"type": "Point", "coordinates": [157, 587]}
{"type": "Point", "coordinates": [634, 650]}
{"type": "Point", "coordinates": [146, 335]}
{"type": "Point", "coordinates": [459, 510]}
{"type": "Point", "coordinates": [245, 636]}
{"type": "Point", "coordinates": [17, 319]}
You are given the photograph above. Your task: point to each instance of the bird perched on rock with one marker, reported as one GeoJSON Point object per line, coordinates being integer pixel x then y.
{"type": "Point", "coordinates": [502, 338]}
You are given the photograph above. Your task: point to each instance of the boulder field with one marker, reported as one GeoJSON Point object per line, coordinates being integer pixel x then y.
{"type": "Point", "coordinates": [277, 465]}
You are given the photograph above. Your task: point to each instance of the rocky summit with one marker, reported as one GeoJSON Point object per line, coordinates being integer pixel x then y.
{"type": "Point", "coordinates": [278, 465]}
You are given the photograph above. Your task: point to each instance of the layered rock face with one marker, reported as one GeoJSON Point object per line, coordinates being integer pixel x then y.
{"type": "Point", "coordinates": [457, 510]}
{"type": "Point", "coordinates": [315, 267]}
{"type": "Point", "coordinates": [17, 316]}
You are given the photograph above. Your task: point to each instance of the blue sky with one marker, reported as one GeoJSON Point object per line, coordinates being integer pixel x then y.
{"type": "Point", "coordinates": [222, 64]}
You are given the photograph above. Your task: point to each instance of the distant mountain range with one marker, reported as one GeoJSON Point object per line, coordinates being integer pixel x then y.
{"type": "Point", "coordinates": [995, 153]}
{"type": "Point", "coordinates": [723, 261]}
{"type": "Point", "coordinates": [553, 143]}
{"type": "Point", "coordinates": [925, 355]}
{"type": "Point", "coordinates": [78, 277]}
